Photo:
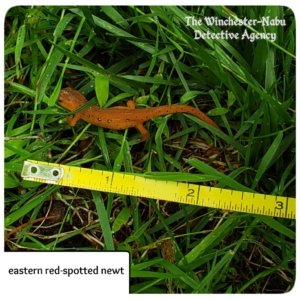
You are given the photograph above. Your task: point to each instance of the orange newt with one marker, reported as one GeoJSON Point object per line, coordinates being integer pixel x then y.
{"type": "Point", "coordinates": [122, 117]}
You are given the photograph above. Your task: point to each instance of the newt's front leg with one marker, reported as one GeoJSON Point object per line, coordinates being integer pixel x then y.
{"type": "Point", "coordinates": [130, 104]}
{"type": "Point", "coordinates": [72, 120]}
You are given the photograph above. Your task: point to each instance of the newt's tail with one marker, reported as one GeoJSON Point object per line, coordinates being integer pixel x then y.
{"type": "Point", "coordinates": [202, 116]}
{"type": "Point", "coordinates": [171, 109]}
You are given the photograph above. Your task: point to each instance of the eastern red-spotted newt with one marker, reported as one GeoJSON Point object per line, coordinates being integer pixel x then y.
{"type": "Point", "coordinates": [122, 117]}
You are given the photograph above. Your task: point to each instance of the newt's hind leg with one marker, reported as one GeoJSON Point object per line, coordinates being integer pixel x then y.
{"type": "Point", "coordinates": [144, 132]}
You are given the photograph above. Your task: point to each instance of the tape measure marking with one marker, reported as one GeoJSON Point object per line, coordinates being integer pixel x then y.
{"type": "Point", "coordinates": [134, 185]}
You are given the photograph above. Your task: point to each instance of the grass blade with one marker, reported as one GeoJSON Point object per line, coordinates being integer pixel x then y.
{"type": "Point", "coordinates": [267, 159]}
{"type": "Point", "coordinates": [104, 222]}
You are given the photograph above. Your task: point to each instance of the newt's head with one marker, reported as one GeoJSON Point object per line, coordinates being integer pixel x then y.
{"type": "Point", "coordinates": [71, 99]}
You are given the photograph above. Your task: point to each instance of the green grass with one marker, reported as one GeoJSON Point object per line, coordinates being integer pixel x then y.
{"type": "Point", "coordinates": [112, 54]}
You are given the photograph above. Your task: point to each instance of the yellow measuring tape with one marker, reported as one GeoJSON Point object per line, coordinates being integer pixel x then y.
{"type": "Point", "coordinates": [135, 185]}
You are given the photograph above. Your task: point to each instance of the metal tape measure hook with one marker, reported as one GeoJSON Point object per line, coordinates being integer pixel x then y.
{"type": "Point", "coordinates": [51, 173]}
